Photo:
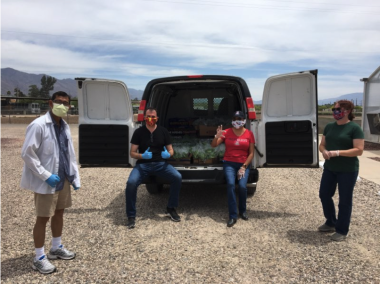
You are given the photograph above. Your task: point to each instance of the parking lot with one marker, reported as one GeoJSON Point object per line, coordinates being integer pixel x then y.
{"type": "Point", "coordinates": [278, 244]}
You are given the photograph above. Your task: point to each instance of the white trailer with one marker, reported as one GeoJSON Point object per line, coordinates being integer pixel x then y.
{"type": "Point", "coordinates": [371, 107]}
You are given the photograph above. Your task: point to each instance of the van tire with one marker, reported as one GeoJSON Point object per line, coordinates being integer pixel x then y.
{"type": "Point", "coordinates": [251, 191]}
{"type": "Point", "coordinates": [154, 188]}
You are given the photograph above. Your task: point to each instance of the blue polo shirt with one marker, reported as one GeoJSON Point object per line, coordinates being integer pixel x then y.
{"type": "Point", "coordinates": [64, 157]}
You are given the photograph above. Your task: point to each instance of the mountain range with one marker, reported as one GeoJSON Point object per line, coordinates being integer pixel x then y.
{"type": "Point", "coordinates": [11, 79]}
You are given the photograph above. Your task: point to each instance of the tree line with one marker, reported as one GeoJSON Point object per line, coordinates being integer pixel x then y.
{"type": "Point", "coordinates": [47, 85]}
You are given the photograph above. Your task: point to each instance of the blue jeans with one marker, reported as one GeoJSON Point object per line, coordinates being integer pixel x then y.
{"type": "Point", "coordinates": [346, 183]}
{"type": "Point", "coordinates": [142, 171]}
{"type": "Point", "coordinates": [230, 172]}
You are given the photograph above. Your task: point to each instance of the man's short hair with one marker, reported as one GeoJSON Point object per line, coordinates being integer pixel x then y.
{"type": "Point", "coordinates": [60, 94]}
{"type": "Point", "coordinates": [150, 109]}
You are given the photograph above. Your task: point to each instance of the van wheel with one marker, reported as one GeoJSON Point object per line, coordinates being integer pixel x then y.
{"type": "Point", "coordinates": [251, 190]}
{"type": "Point", "coordinates": [154, 188]}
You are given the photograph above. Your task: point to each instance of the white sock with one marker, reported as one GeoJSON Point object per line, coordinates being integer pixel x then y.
{"type": "Point", "coordinates": [55, 243]}
{"type": "Point", "coordinates": [39, 252]}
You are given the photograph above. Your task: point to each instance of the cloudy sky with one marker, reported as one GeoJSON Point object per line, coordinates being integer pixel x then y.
{"type": "Point", "coordinates": [139, 40]}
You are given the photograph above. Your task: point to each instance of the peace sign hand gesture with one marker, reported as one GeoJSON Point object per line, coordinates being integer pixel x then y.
{"type": "Point", "coordinates": [219, 132]}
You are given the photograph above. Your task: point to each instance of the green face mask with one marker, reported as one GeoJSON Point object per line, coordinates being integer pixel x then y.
{"type": "Point", "coordinates": [60, 110]}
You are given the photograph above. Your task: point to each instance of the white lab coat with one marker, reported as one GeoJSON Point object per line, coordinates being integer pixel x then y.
{"type": "Point", "coordinates": [40, 153]}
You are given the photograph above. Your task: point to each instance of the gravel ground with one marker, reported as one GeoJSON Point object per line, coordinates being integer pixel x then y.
{"type": "Point", "coordinates": [279, 243]}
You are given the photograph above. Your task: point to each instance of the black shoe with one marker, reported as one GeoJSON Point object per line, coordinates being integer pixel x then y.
{"type": "Point", "coordinates": [131, 222]}
{"type": "Point", "coordinates": [170, 212]}
{"type": "Point", "coordinates": [244, 216]}
{"type": "Point", "coordinates": [231, 222]}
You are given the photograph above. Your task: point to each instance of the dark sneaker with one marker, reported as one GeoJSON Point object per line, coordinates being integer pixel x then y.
{"type": "Point", "coordinates": [61, 253]}
{"type": "Point", "coordinates": [231, 222]}
{"type": "Point", "coordinates": [131, 222]}
{"type": "Point", "coordinates": [326, 228]}
{"type": "Point", "coordinates": [244, 216]}
{"type": "Point", "coordinates": [43, 265]}
{"type": "Point", "coordinates": [338, 237]}
{"type": "Point", "coordinates": [170, 212]}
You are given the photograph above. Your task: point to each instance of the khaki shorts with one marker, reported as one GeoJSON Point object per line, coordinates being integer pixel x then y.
{"type": "Point", "coordinates": [46, 204]}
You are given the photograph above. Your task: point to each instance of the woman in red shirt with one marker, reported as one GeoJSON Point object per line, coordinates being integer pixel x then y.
{"type": "Point", "coordinates": [240, 144]}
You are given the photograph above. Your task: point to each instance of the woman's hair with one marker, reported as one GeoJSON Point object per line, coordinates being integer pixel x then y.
{"type": "Point", "coordinates": [347, 105]}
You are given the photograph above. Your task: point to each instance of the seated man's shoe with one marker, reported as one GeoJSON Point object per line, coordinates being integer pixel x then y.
{"type": "Point", "coordinates": [244, 216]}
{"type": "Point", "coordinates": [170, 212]}
{"type": "Point", "coordinates": [338, 237]}
{"type": "Point", "coordinates": [326, 228]}
{"type": "Point", "coordinates": [131, 222]}
{"type": "Point", "coordinates": [231, 222]}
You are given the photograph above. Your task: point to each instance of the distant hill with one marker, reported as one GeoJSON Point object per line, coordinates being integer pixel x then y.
{"type": "Point", "coordinates": [11, 79]}
{"type": "Point", "coordinates": [356, 98]}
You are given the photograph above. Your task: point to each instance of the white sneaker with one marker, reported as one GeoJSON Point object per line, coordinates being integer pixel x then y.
{"type": "Point", "coordinates": [61, 253]}
{"type": "Point", "coordinates": [43, 265]}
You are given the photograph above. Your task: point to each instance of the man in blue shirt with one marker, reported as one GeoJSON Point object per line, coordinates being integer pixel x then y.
{"type": "Point", "coordinates": [50, 167]}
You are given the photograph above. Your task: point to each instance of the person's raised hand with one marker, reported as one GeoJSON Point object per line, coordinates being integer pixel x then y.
{"type": "Point", "coordinates": [147, 155]}
{"type": "Point", "coordinates": [219, 132]}
{"type": "Point", "coordinates": [165, 154]}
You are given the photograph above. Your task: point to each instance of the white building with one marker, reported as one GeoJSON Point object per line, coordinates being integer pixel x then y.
{"type": "Point", "coordinates": [371, 107]}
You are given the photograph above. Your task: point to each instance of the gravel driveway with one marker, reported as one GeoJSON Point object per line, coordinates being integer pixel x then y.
{"type": "Point", "coordinates": [279, 243]}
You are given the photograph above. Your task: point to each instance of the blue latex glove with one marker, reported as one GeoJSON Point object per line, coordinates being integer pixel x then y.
{"type": "Point", "coordinates": [75, 188]}
{"type": "Point", "coordinates": [165, 154]}
{"type": "Point", "coordinates": [147, 155]}
{"type": "Point", "coordinates": [53, 180]}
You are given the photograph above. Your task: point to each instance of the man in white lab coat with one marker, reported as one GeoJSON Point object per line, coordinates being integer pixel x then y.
{"type": "Point", "coordinates": [50, 167]}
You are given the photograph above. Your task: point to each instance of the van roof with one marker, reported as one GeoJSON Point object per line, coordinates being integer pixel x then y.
{"type": "Point", "coordinates": [194, 80]}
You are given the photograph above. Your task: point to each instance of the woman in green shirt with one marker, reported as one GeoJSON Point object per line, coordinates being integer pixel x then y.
{"type": "Point", "coordinates": [342, 142]}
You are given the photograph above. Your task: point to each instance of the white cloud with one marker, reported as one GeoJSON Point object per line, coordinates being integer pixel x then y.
{"type": "Point", "coordinates": [137, 40]}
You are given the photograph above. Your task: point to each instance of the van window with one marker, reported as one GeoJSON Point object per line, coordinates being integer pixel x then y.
{"type": "Point", "coordinates": [290, 97]}
{"type": "Point", "coordinates": [200, 106]}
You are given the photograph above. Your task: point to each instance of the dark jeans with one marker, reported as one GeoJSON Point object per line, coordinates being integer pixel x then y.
{"type": "Point", "coordinates": [142, 171]}
{"type": "Point", "coordinates": [230, 171]}
{"type": "Point", "coordinates": [346, 183]}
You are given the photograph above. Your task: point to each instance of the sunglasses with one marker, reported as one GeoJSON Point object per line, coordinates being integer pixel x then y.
{"type": "Point", "coordinates": [61, 102]}
{"type": "Point", "coordinates": [151, 116]}
{"type": "Point", "coordinates": [237, 118]}
{"type": "Point", "coordinates": [151, 137]}
{"type": "Point", "coordinates": [335, 109]}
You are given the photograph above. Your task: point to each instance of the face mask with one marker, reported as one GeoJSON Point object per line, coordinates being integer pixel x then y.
{"type": "Point", "coordinates": [238, 123]}
{"type": "Point", "coordinates": [60, 110]}
{"type": "Point", "coordinates": [150, 121]}
{"type": "Point", "coordinates": [338, 115]}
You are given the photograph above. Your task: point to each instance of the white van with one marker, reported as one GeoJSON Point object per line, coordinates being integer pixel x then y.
{"type": "Point", "coordinates": [191, 107]}
{"type": "Point", "coordinates": [34, 108]}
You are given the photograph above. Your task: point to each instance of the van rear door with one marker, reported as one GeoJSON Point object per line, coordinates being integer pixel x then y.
{"type": "Point", "coordinates": [288, 130]}
{"type": "Point", "coordinates": [105, 123]}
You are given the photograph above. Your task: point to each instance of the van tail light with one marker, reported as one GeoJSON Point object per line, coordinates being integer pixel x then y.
{"type": "Point", "coordinates": [251, 108]}
{"type": "Point", "coordinates": [195, 76]}
{"type": "Point", "coordinates": [140, 114]}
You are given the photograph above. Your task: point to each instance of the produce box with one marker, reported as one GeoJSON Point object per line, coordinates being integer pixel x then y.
{"type": "Point", "coordinates": [206, 131]}
{"type": "Point", "coordinates": [206, 162]}
{"type": "Point", "coordinates": [179, 161]}
{"type": "Point", "coordinates": [181, 126]}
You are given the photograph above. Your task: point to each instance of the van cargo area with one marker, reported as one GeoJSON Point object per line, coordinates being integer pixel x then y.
{"type": "Point", "coordinates": [192, 111]}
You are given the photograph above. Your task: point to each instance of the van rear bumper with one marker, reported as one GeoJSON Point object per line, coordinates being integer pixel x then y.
{"type": "Point", "coordinates": [199, 176]}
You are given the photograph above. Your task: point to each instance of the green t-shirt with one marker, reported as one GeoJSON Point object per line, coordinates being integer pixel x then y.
{"type": "Point", "coordinates": [340, 137]}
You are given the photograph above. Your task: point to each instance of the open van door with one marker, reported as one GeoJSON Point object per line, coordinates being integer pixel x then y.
{"type": "Point", "coordinates": [287, 134]}
{"type": "Point", "coordinates": [105, 123]}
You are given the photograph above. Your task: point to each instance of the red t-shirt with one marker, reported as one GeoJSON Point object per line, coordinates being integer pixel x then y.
{"type": "Point", "coordinates": [237, 147]}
